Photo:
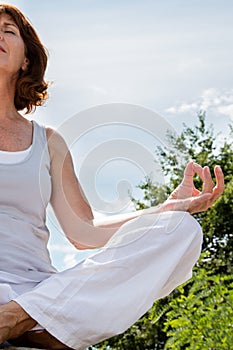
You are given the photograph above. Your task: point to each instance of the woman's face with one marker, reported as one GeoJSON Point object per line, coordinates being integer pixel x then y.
{"type": "Point", "coordinates": [12, 48]}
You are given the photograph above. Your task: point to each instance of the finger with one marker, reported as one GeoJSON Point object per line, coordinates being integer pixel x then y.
{"type": "Point", "coordinates": [219, 178]}
{"type": "Point", "coordinates": [187, 188]}
{"type": "Point", "coordinates": [198, 170]}
{"type": "Point", "coordinates": [208, 183]}
{"type": "Point", "coordinates": [188, 174]}
{"type": "Point", "coordinates": [196, 192]}
{"type": "Point", "coordinates": [219, 188]}
{"type": "Point", "coordinates": [190, 171]}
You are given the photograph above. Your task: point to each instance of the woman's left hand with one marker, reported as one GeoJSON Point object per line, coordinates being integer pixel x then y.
{"type": "Point", "coordinates": [186, 197]}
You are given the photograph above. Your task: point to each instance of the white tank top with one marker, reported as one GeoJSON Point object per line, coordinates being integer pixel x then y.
{"type": "Point", "coordinates": [25, 187]}
{"type": "Point", "coordinates": [13, 157]}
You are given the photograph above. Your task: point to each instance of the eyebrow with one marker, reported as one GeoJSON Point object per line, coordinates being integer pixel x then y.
{"type": "Point", "coordinates": [7, 24]}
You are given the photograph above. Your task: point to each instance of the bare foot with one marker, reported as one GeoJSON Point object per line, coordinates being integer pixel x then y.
{"type": "Point", "coordinates": [38, 339]}
{"type": "Point", "coordinates": [14, 321]}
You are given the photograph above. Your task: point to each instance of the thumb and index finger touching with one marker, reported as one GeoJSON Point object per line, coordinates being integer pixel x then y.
{"type": "Point", "coordinates": [209, 187]}
{"type": "Point", "coordinates": [191, 169]}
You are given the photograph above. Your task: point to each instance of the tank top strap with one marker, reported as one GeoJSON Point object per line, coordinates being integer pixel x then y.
{"type": "Point", "coordinates": [39, 134]}
{"type": "Point", "coordinates": [39, 142]}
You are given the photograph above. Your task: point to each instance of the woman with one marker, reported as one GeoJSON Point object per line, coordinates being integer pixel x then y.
{"type": "Point", "coordinates": [144, 257]}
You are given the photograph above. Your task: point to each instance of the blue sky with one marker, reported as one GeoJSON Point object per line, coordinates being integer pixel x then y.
{"type": "Point", "coordinates": [173, 57]}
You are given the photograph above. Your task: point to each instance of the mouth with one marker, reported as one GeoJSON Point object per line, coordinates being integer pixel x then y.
{"type": "Point", "coordinates": [2, 49]}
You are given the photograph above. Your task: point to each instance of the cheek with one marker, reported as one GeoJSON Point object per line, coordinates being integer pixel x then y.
{"type": "Point", "coordinates": [20, 52]}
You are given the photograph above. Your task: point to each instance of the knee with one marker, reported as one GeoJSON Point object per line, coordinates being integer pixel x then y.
{"type": "Point", "coordinates": [184, 223]}
{"type": "Point", "coordinates": [192, 226]}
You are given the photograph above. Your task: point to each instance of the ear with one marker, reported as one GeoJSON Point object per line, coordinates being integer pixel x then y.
{"type": "Point", "coordinates": [25, 64]}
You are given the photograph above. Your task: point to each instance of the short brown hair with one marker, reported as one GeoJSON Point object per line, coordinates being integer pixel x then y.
{"type": "Point", "coordinates": [31, 88]}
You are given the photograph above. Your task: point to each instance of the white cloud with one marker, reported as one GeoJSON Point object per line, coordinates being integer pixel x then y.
{"type": "Point", "coordinates": [70, 260]}
{"type": "Point", "coordinates": [171, 110]}
{"type": "Point", "coordinates": [183, 108]}
{"type": "Point", "coordinates": [186, 107]}
{"type": "Point", "coordinates": [227, 110]}
{"type": "Point", "coordinates": [212, 99]}
{"type": "Point", "coordinates": [61, 248]}
{"type": "Point", "coordinates": [209, 98]}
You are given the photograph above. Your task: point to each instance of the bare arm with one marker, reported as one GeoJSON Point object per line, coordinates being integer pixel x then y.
{"type": "Point", "coordinates": [74, 212]}
{"type": "Point", "coordinates": [70, 205]}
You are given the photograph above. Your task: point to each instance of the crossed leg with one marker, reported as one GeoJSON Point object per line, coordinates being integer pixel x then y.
{"type": "Point", "coordinates": [145, 260]}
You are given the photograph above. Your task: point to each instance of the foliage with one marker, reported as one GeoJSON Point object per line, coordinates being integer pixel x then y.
{"type": "Point", "coordinates": [217, 225]}
{"type": "Point", "coordinates": [200, 144]}
{"type": "Point", "coordinates": [153, 194]}
{"type": "Point", "coordinates": [203, 318]}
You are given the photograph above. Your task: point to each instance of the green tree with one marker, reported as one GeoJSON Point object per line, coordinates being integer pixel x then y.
{"type": "Point", "coordinates": [203, 318]}
{"type": "Point", "coordinates": [200, 144]}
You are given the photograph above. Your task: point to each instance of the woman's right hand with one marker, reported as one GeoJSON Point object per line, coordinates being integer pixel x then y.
{"type": "Point", "coordinates": [186, 197]}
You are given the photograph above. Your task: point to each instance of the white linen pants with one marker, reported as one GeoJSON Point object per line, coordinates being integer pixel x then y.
{"type": "Point", "coordinates": [105, 294]}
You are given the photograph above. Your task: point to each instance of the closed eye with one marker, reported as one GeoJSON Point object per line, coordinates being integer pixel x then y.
{"type": "Point", "coordinates": [10, 31]}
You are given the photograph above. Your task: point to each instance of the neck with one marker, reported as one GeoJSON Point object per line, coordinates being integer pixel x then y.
{"type": "Point", "coordinates": [7, 107]}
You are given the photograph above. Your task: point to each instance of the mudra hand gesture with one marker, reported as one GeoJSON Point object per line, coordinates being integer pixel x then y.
{"type": "Point", "coordinates": [186, 197]}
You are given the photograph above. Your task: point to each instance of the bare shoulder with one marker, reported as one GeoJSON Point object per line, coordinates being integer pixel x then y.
{"type": "Point", "coordinates": [56, 143]}
{"type": "Point", "coordinates": [54, 137]}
